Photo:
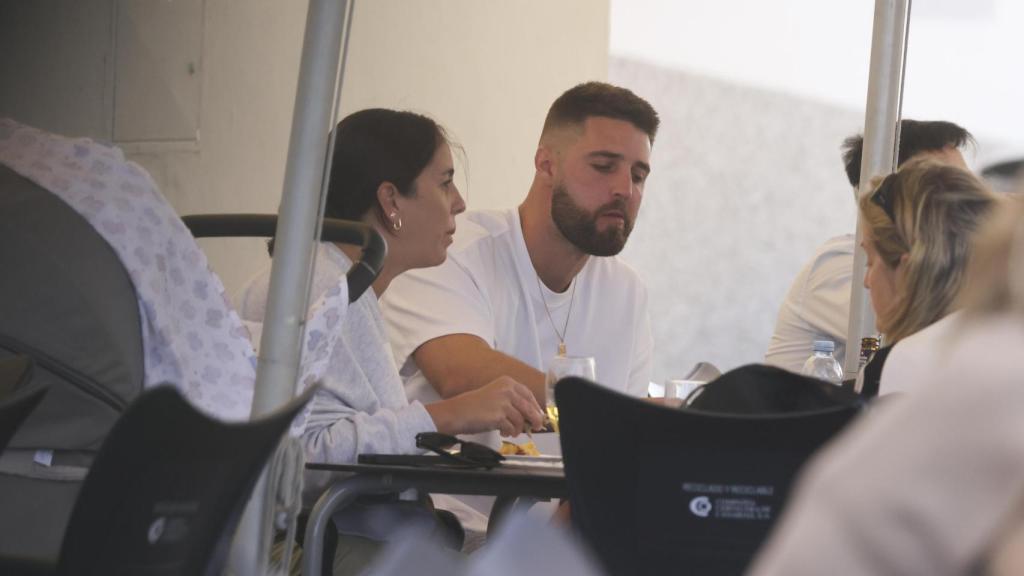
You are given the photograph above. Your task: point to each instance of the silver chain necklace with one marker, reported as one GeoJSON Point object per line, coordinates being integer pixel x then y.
{"type": "Point", "coordinates": [565, 328]}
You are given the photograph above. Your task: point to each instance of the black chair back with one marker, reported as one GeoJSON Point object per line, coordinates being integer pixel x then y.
{"type": "Point", "coordinates": [763, 389]}
{"type": "Point", "coordinates": [656, 490]}
{"type": "Point", "coordinates": [17, 398]}
{"type": "Point", "coordinates": [166, 491]}
{"type": "Point", "coordinates": [359, 277]}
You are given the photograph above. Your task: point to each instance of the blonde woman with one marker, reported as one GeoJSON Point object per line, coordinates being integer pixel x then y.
{"type": "Point", "coordinates": [918, 224]}
{"type": "Point", "coordinates": [933, 485]}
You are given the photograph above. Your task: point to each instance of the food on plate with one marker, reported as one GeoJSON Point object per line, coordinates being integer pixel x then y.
{"type": "Point", "coordinates": [527, 448]}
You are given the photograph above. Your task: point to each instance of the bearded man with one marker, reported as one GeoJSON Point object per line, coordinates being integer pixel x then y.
{"type": "Point", "coordinates": [523, 285]}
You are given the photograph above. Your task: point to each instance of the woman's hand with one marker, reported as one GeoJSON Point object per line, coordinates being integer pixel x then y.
{"type": "Point", "coordinates": [503, 404]}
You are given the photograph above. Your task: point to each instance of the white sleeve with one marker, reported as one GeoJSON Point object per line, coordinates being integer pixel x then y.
{"type": "Point", "coordinates": [428, 303]}
{"type": "Point", "coordinates": [790, 344]}
{"type": "Point", "coordinates": [817, 306]}
{"type": "Point", "coordinates": [643, 349]}
{"type": "Point", "coordinates": [336, 432]}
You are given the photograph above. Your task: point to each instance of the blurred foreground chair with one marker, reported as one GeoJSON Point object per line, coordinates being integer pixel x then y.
{"type": "Point", "coordinates": [655, 490]}
{"type": "Point", "coordinates": [165, 492]}
{"type": "Point", "coordinates": [17, 398]}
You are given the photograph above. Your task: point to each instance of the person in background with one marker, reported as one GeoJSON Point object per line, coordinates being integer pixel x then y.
{"type": "Point", "coordinates": [393, 171]}
{"type": "Point", "coordinates": [918, 224]}
{"type": "Point", "coordinates": [817, 306]}
{"type": "Point", "coordinates": [523, 285]}
{"type": "Point", "coordinates": [932, 485]}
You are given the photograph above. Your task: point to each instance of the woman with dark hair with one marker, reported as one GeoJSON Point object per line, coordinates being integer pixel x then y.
{"type": "Point", "coordinates": [393, 171]}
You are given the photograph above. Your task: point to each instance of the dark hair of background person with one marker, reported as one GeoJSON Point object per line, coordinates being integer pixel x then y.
{"type": "Point", "coordinates": [916, 136]}
{"type": "Point", "coordinates": [603, 100]}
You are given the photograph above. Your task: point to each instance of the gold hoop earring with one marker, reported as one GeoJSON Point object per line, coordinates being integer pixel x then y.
{"type": "Point", "coordinates": [396, 221]}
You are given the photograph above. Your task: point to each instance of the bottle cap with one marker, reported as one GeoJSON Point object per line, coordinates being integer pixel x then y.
{"type": "Point", "coordinates": [824, 346]}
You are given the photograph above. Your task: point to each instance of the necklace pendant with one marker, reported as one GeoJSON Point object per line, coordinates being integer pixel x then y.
{"type": "Point", "coordinates": [561, 349]}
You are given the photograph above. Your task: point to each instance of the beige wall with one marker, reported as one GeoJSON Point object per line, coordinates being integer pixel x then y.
{"type": "Point", "coordinates": [486, 69]}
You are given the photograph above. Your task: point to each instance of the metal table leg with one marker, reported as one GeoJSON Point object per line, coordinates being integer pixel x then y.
{"type": "Point", "coordinates": [339, 495]}
{"type": "Point", "coordinates": [505, 504]}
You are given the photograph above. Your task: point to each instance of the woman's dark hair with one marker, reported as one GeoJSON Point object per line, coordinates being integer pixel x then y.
{"type": "Point", "coordinates": [374, 146]}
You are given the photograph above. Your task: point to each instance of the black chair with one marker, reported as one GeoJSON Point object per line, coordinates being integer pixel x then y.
{"type": "Point", "coordinates": [656, 490]}
{"type": "Point", "coordinates": [359, 277]}
{"type": "Point", "coordinates": [17, 398]}
{"type": "Point", "coordinates": [763, 389]}
{"type": "Point", "coordinates": [166, 491]}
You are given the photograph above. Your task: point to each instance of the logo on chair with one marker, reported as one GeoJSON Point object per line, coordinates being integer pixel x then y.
{"type": "Point", "coordinates": [156, 529]}
{"type": "Point", "coordinates": [701, 506]}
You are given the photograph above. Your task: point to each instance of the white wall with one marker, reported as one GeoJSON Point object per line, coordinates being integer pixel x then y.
{"type": "Point", "coordinates": [56, 68]}
{"type": "Point", "coordinates": [962, 58]}
{"type": "Point", "coordinates": [756, 97]}
{"type": "Point", "coordinates": [486, 70]}
{"type": "Point", "coordinates": [745, 184]}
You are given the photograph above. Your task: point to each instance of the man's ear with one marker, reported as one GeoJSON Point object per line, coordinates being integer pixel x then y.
{"type": "Point", "coordinates": [544, 162]}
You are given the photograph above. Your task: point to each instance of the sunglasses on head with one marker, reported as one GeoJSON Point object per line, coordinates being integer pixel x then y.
{"type": "Point", "coordinates": [883, 196]}
{"type": "Point", "coordinates": [469, 453]}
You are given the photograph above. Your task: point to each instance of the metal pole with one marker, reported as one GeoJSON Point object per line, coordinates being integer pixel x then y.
{"type": "Point", "coordinates": [280, 344]}
{"type": "Point", "coordinates": [281, 341]}
{"type": "Point", "coordinates": [881, 124]}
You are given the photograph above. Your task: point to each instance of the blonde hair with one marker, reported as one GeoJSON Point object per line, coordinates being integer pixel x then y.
{"type": "Point", "coordinates": [996, 274]}
{"type": "Point", "coordinates": [928, 221]}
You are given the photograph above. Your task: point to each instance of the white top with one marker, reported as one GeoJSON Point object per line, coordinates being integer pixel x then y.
{"type": "Point", "coordinates": [915, 353]}
{"type": "Point", "coordinates": [361, 406]}
{"type": "Point", "coordinates": [817, 306]}
{"type": "Point", "coordinates": [488, 287]}
{"type": "Point", "coordinates": [922, 485]}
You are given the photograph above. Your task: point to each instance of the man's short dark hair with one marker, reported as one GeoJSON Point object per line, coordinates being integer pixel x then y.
{"type": "Point", "coordinates": [604, 100]}
{"type": "Point", "coordinates": [916, 136]}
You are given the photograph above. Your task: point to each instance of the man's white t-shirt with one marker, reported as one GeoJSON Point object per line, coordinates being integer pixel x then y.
{"type": "Point", "coordinates": [817, 306]}
{"type": "Point", "coordinates": [487, 287]}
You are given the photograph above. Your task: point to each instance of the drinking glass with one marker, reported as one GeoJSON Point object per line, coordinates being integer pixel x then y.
{"type": "Point", "coordinates": [560, 367]}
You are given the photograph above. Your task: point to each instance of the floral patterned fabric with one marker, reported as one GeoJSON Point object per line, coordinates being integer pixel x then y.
{"type": "Point", "coordinates": [192, 338]}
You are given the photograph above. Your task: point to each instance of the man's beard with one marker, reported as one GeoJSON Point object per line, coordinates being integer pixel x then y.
{"type": "Point", "coordinates": [580, 227]}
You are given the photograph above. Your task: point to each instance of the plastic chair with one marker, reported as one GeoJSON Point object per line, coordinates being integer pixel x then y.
{"type": "Point", "coordinates": [166, 491]}
{"type": "Point", "coordinates": [764, 389]}
{"type": "Point", "coordinates": [17, 399]}
{"type": "Point", "coordinates": [656, 490]}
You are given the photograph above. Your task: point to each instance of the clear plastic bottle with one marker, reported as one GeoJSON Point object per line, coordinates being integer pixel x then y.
{"type": "Point", "coordinates": [822, 364]}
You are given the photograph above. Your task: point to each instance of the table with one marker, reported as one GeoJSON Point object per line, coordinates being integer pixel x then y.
{"type": "Point", "coordinates": [510, 484]}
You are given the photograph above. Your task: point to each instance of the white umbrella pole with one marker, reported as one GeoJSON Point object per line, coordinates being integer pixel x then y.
{"type": "Point", "coordinates": [297, 228]}
{"type": "Point", "coordinates": [881, 137]}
